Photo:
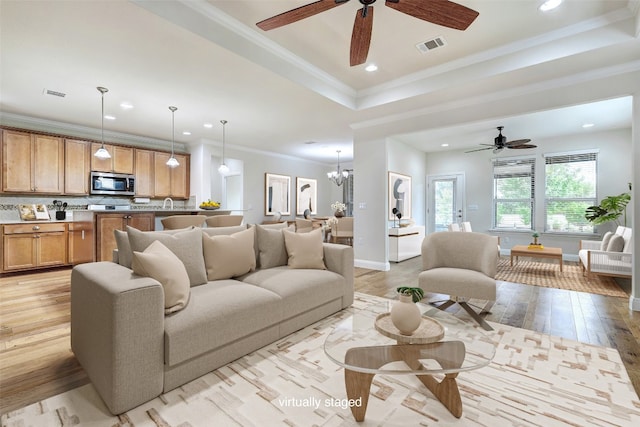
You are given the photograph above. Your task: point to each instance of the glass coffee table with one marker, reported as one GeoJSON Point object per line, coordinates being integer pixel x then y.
{"type": "Point", "coordinates": [357, 345]}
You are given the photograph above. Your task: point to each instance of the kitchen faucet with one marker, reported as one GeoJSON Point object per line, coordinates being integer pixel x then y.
{"type": "Point", "coordinates": [164, 204]}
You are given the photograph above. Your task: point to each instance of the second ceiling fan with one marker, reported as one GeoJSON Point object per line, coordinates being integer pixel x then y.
{"type": "Point", "coordinates": [441, 12]}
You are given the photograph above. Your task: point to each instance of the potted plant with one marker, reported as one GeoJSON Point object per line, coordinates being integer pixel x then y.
{"type": "Point", "coordinates": [609, 209]}
{"type": "Point", "coordinates": [338, 209]}
{"type": "Point", "coordinates": [405, 314]}
{"type": "Point", "coordinates": [535, 236]}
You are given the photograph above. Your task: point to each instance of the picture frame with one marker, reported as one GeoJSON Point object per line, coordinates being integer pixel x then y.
{"type": "Point", "coordinates": [306, 195]}
{"type": "Point", "coordinates": [399, 194]}
{"type": "Point", "coordinates": [277, 194]}
{"type": "Point", "coordinates": [33, 212]}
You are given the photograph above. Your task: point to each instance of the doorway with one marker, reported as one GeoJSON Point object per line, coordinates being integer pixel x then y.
{"type": "Point", "coordinates": [445, 201]}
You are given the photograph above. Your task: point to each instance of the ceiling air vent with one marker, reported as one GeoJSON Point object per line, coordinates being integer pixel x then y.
{"type": "Point", "coordinates": [54, 93]}
{"type": "Point", "coordinates": [432, 44]}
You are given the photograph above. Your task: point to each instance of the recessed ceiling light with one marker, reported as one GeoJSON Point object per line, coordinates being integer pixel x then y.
{"type": "Point", "coordinates": [126, 106]}
{"type": "Point", "coordinates": [108, 117]}
{"type": "Point", "coordinates": [549, 5]}
{"type": "Point", "coordinates": [444, 145]}
{"type": "Point", "coordinates": [588, 125]}
{"type": "Point", "coordinates": [186, 132]}
{"type": "Point", "coordinates": [371, 68]}
{"type": "Point", "coordinates": [208, 125]}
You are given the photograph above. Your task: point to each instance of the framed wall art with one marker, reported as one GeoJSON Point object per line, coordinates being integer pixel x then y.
{"type": "Point", "coordinates": [306, 196]}
{"type": "Point", "coordinates": [399, 195]}
{"type": "Point", "coordinates": [277, 197]}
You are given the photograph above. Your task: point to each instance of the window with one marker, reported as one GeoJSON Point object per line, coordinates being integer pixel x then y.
{"type": "Point", "coordinates": [513, 193]}
{"type": "Point", "coordinates": [569, 190]}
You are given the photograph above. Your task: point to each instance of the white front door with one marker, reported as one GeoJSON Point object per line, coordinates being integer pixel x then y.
{"type": "Point", "coordinates": [445, 201]}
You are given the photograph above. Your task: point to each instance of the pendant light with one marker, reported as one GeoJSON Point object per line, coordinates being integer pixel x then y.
{"type": "Point", "coordinates": [223, 169]}
{"type": "Point", "coordinates": [102, 152]}
{"type": "Point", "coordinates": [172, 162]}
{"type": "Point", "coordinates": [338, 176]}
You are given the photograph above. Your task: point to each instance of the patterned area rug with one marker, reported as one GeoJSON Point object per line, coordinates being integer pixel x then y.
{"type": "Point", "coordinates": [534, 380]}
{"type": "Point", "coordinates": [548, 274]}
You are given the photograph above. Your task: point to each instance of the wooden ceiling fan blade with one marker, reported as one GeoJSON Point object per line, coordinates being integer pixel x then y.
{"type": "Point", "coordinates": [361, 36]}
{"type": "Point", "coordinates": [299, 13]}
{"type": "Point", "coordinates": [522, 146]}
{"type": "Point", "coordinates": [517, 142]}
{"type": "Point", "coordinates": [480, 149]}
{"type": "Point", "coordinates": [442, 12]}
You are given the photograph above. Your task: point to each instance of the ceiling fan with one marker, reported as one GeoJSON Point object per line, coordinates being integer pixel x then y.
{"type": "Point", "coordinates": [500, 143]}
{"type": "Point", "coordinates": [441, 12]}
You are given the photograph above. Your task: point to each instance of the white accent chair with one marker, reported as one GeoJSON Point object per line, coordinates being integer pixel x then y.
{"type": "Point", "coordinates": [466, 226]}
{"type": "Point", "coordinates": [342, 230]}
{"type": "Point", "coordinates": [596, 259]}
{"type": "Point", "coordinates": [463, 266]}
{"type": "Point", "coordinates": [454, 227]}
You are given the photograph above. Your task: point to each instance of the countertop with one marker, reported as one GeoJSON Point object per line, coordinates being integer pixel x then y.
{"type": "Point", "coordinates": [87, 215]}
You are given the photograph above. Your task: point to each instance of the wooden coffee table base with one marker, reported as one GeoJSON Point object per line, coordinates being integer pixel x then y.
{"type": "Point", "coordinates": [522, 250]}
{"type": "Point", "coordinates": [448, 354]}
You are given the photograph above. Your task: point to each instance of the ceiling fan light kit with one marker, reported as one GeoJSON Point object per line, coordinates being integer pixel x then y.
{"type": "Point", "coordinates": [440, 12]}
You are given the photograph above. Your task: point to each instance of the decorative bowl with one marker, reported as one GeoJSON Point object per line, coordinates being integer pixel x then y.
{"type": "Point", "coordinates": [209, 208]}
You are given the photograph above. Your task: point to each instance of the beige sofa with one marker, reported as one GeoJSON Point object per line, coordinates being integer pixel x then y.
{"type": "Point", "coordinates": [132, 351]}
{"type": "Point", "coordinates": [598, 257]}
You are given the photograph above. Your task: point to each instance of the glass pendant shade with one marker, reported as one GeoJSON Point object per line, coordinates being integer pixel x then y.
{"type": "Point", "coordinates": [172, 162]}
{"type": "Point", "coordinates": [102, 152]}
{"type": "Point", "coordinates": [223, 169]}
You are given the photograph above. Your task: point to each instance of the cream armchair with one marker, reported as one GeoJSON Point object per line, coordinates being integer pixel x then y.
{"type": "Point", "coordinates": [463, 266]}
{"type": "Point", "coordinates": [224, 220]}
{"type": "Point", "coordinates": [175, 222]}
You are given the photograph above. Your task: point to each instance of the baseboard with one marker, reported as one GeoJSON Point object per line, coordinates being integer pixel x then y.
{"type": "Point", "coordinates": [634, 304]}
{"type": "Point", "coordinates": [372, 265]}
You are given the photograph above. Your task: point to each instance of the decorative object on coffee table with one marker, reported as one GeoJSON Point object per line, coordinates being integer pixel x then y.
{"type": "Point", "coordinates": [405, 314]}
{"type": "Point", "coordinates": [535, 244]}
{"type": "Point", "coordinates": [338, 209]}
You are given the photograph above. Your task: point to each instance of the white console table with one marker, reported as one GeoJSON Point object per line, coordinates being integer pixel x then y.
{"type": "Point", "coordinates": [405, 242]}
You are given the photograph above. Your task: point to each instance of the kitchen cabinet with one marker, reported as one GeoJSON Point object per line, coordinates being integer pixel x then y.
{"type": "Point", "coordinates": [121, 161]}
{"type": "Point", "coordinates": [77, 164]}
{"type": "Point", "coordinates": [171, 182]}
{"type": "Point", "coordinates": [30, 246]}
{"type": "Point", "coordinates": [106, 223]}
{"type": "Point", "coordinates": [81, 244]}
{"type": "Point", "coordinates": [32, 163]}
{"type": "Point", "coordinates": [405, 242]}
{"type": "Point", "coordinates": [144, 170]}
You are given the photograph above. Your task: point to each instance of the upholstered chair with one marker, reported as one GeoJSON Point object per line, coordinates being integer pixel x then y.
{"type": "Point", "coordinates": [466, 226]}
{"type": "Point", "coordinates": [454, 227]}
{"type": "Point", "coordinates": [176, 222]}
{"type": "Point", "coordinates": [463, 266]}
{"type": "Point", "coordinates": [224, 220]}
{"type": "Point", "coordinates": [304, 225]}
{"type": "Point", "coordinates": [342, 230]}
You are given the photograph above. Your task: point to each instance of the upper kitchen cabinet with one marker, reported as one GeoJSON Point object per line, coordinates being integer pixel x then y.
{"type": "Point", "coordinates": [77, 163]}
{"type": "Point", "coordinates": [32, 163]}
{"type": "Point", "coordinates": [121, 160]}
{"type": "Point", "coordinates": [171, 182]}
{"type": "Point", "coordinates": [144, 173]}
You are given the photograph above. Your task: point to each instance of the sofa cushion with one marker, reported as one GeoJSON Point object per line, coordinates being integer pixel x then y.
{"type": "Point", "coordinates": [218, 313]}
{"type": "Point", "coordinates": [186, 244]}
{"type": "Point", "coordinates": [304, 250]}
{"type": "Point", "coordinates": [229, 256]}
{"type": "Point", "coordinates": [605, 240]}
{"type": "Point", "coordinates": [222, 231]}
{"type": "Point", "coordinates": [124, 247]}
{"type": "Point", "coordinates": [300, 289]}
{"type": "Point", "coordinates": [159, 263]}
{"type": "Point", "coordinates": [616, 244]}
{"type": "Point", "coordinates": [271, 249]}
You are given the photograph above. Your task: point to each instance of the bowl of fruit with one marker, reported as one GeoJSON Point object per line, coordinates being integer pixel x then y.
{"type": "Point", "coordinates": [210, 205]}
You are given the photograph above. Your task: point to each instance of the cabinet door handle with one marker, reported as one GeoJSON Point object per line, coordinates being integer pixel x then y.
{"type": "Point", "coordinates": [82, 234]}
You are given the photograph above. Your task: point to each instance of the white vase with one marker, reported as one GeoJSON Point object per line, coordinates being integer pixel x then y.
{"type": "Point", "coordinates": [405, 315]}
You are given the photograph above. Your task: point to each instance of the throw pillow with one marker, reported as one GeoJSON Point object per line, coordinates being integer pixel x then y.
{"type": "Point", "coordinates": [229, 256]}
{"type": "Point", "coordinates": [159, 263]}
{"type": "Point", "coordinates": [616, 244]}
{"type": "Point", "coordinates": [124, 248]}
{"type": "Point", "coordinates": [186, 244]}
{"type": "Point", "coordinates": [605, 240]}
{"type": "Point", "coordinates": [271, 249]}
{"type": "Point", "coordinates": [218, 231]}
{"type": "Point", "coordinates": [305, 250]}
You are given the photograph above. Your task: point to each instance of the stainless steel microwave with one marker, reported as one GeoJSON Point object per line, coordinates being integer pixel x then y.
{"type": "Point", "coordinates": [117, 184]}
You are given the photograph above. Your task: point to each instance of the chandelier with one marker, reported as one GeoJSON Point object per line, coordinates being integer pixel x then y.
{"type": "Point", "coordinates": [338, 176]}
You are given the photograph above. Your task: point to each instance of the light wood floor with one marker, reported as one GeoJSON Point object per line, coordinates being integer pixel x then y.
{"type": "Point", "coordinates": [36, 361]}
